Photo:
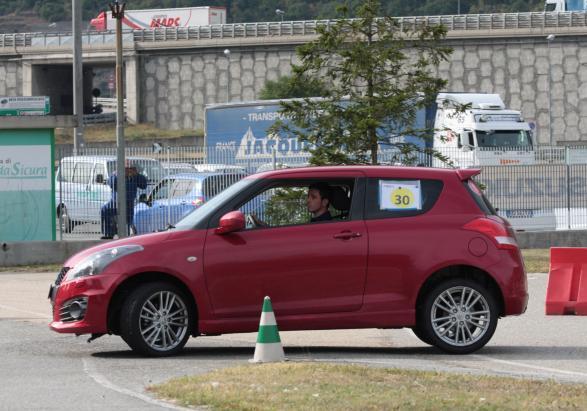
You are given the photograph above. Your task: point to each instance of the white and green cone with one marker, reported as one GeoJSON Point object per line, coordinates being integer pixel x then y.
{"type": "Point", "coordinates": [268, 347]}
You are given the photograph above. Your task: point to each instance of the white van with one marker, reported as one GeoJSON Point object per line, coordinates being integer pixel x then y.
{"type": "Point", "coordinates": [81, 186]}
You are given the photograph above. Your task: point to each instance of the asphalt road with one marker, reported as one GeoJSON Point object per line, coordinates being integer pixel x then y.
{"type": "Point", "coordinates": [40, 369]}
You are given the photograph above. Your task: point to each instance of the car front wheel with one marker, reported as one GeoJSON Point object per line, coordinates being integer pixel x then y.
{"type": "Point", "coordinates": [459, 316]}
{"type": "Point", "coordinates": [156, 320]}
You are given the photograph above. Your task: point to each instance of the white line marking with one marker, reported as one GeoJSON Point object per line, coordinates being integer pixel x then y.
{"type": "Point", "coordinates": [44, 315]}
{"type": "Point", "coordinates": [91, 371]}
{"type": "Point", "coordinates": [533, 367]}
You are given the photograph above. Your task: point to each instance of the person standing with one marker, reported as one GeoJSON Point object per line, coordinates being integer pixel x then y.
{"type": "Point", "coordinates": [134, 181]}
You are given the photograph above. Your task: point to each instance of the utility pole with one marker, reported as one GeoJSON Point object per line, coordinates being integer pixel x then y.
{"type": "Point", "coordinates": [78, 76]}
{"type": "Point", "coordinates": [549, 40]}
{"type": "Point", "coordinates": [118, 14]}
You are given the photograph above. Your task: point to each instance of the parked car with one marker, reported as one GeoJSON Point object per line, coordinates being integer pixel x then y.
{"type": "Point", "coordinates": [81, 186]}
{"type": "Point", "coordinates": [406, 247]}
{"type": "Point", "coordinates": [177, 195]}
{"type": "Point", "coordinates": [219, 168]}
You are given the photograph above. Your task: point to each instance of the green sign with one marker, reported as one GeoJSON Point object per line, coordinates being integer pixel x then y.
{"type": "Point", "coordinates": [27, 185]}
{"type": "Point", "coordinates": [24, 106]}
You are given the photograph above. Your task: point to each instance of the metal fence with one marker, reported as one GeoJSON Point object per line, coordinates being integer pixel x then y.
{"type": "Point", "coordinates": [540, 189]}
{"type": "Point", "coordinates": [461, 22]}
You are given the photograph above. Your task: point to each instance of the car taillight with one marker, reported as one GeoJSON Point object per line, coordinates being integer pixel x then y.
{"type": "Point", "coordinates": [496, 229]}
{"type": "Point", "coordinates": [198, 201]}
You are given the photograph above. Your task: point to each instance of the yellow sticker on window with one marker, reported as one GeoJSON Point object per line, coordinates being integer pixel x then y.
{"type": "Point", "coordinates": [400, 195]}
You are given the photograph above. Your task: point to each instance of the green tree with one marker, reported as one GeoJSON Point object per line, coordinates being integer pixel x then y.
{"type": "Point", "coordinates": [378, 77]}
{"type": "Point", "coordinates": [285, 87]}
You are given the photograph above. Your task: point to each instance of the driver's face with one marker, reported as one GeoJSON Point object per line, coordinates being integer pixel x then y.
{"type": "Point", "coordinates": [314, 201]}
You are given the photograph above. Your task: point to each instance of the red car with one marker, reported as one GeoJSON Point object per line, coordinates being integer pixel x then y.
{"type": "Point", "coordinates": [400, 247]}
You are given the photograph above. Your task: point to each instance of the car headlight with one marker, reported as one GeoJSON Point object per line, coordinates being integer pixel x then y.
{"type": "Point", "coordinates": [96, 263]}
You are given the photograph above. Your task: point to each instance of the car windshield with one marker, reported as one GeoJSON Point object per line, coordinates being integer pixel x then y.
{"type": "Point", "coordinates": [504, 138]}
{"type": "Point", "coordinates": [209, 207]}
{"type": "Point", "coordinates": [149, 168]}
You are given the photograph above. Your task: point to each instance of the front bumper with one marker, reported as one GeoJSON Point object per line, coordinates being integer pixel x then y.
{"type": "Point", "coordinates": [97, 290]}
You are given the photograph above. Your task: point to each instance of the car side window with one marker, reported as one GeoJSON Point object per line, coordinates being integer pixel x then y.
{"type": "Point", "coordinates": [286, 204]}
{"type": "Point", "coordinates": [99, 176]}
{"type": "Point", "coordinates": [66, 171]}
{"type": "Point", "coordinates": [82, 172]}
{"type": "Point", "coordinates": [391, 198]}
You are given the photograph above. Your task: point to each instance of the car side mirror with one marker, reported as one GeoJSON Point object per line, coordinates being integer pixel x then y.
{"type": "Point", "coordinates": [100, 178]}
{"type": "Point", "coordinates": [231, 222]}
{"type": "Point", "coordinates": [143, 198]}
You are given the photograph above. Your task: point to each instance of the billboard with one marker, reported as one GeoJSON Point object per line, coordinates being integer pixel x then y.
{"type": "Point", "coordinates": [24, 106]}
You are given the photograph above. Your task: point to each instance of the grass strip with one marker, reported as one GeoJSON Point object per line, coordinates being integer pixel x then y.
{"type": "Point", "coordinates": [536, 260]}
{"type": "Point", "coordinates": [317, 386]}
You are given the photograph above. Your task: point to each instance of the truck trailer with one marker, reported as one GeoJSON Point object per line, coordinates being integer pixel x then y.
{"type": "Point", "coordinates": [155, 18]}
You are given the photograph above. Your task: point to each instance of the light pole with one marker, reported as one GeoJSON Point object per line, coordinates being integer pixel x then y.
{"type": "Point", "coordinates": [227, 54]}
{"type": "Point", "coordinates": [458, 6]}
{"type": "Point", "coordinates": [549, 40]}
{"type": "Point", "coordinates": [280, 12]}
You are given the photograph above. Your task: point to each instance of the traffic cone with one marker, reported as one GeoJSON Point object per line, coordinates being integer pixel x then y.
{"type": "Point", "coordinates": [268, 347]}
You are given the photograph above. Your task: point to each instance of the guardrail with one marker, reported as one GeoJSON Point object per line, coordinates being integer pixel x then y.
{"type": "Point", "coordinates": [467, 22]}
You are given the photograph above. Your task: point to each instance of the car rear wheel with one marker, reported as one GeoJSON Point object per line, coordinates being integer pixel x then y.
{"type": "Point", "coordinates": [459, 316]}
{"type": "Point", "coordinates": [156, 320]}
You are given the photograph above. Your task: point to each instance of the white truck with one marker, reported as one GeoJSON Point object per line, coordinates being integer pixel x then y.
{"type": "Point", "coordinates": [155, 18]}
{"type": "Point", "coordinates": [565, 5]}
{"type": "Point", "coordinates": [477, 130]}
{"type": "Point", "coordinates": [474, 130]}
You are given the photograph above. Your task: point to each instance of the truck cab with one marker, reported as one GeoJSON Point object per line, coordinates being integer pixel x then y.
{"type": "Point", "coordinates": [474, 130]}
{"type": "Point", "coordinates": [564, 5]}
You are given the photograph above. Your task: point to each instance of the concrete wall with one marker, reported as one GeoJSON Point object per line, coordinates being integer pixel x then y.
{"type": "Point", "coordinates": [175, 88]}
{"type": "Point", "coordinates": [10, 78]}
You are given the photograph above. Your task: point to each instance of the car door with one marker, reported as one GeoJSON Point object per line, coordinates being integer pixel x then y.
{"type": "Point", "coordinates": [306, 268]}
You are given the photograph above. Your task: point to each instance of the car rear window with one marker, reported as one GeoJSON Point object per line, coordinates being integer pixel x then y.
{"type": "Point", "coordinates": [479, 197]}
{"type": "Point", "coordinates": [391, 197]}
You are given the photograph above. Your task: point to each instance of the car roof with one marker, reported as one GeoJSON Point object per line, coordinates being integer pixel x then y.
{"type": "Point", "coordinates": [372, 171]}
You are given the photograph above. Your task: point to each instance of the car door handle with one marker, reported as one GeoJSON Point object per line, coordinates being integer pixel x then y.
{"type": "Point", "coordinates": [346, 235]}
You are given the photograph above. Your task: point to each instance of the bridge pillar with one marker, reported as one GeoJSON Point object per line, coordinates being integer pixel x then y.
{"type": "Point", "coordinates": [132, 74]}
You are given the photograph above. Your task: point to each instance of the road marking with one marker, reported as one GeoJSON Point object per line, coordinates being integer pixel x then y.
{"type": "Point", "coordinates": [533, 367]}
{"type": "Point", "coordinates": [44, 315]}
{"type": "Point", "coordinates": [100, 379]}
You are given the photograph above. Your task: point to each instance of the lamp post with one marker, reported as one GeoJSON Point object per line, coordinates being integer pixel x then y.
{"type": "Point", "coordinates": [549, 40]}
{"type": "Point", "coordinates": [227, 54]}
{"type": "Point", "coordinates": [458, 6]}
{"type": "Point", "coordinates": [118, 14]}
{"type": "Point", "coordinates": [280, 12]}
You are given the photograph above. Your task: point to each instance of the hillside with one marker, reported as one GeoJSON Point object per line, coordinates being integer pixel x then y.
{"type": "Point", "coordinates": [35, 15]}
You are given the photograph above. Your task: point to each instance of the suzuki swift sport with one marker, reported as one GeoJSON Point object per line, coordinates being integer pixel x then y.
{"type": "Point", "coordinates": [400, 247]}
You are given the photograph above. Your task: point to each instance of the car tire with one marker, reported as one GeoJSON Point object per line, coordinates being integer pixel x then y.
{"type": "Point", "coordinates": [65, 222]}
{"type": "Point", "coordinates": [156, 319]}
{"type": "Point", "coordinates": [459, 316]}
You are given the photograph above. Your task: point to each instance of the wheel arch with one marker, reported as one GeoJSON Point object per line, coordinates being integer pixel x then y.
{"type": "Point", "coordinates": [124, 289]}
{"type": "Point", "coordinates": [462, 271]}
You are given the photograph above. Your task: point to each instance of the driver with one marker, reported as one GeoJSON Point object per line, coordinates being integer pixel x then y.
{"type": "Point", "coordinates": [317, 203]}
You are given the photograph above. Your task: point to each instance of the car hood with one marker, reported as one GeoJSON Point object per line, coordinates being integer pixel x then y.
{"type": "Point", "coordinates": [143, 240]}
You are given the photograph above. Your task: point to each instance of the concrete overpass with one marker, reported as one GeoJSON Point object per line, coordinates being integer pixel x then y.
{"type": "Point", "coordinates": [172, 73]}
